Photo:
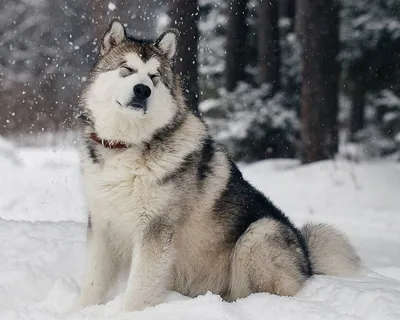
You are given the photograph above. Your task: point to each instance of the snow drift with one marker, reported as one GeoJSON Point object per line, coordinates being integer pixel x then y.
{"type": "Point", "coordinates": [42, 242]}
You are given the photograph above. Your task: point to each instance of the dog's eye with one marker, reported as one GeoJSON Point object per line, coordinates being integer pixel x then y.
{"type": "Point", "coordinates": [126, 71]}
{"type": "Point", "coordinates": [155, 78]}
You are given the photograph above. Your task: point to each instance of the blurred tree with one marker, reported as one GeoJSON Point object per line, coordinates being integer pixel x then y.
{"type": "Point", "coordinates": [47, 48]}
{"type": "Point", "coordinates": [320, 79]}
{"type": "Point", "coordinates": [287, 9]}
{"type": "Point", "coordinates": [357, 100]}
{"type": "Point", "coordinates": [370, 38]}
{"type": "Point", "coordinates": [42, 62]}
{"type": "Point", "coordinates": [235, 43]}
{"type": "Point", "coordinates": [212, 46]}
{"type": "Point", "coordinates": [301, 8]}
{"type": "Point", "coordinates": [268, 43]}
{"type": "Point", "coordinates": [184, 16]}
{"type": "Point", "coordinates": [252, 123]}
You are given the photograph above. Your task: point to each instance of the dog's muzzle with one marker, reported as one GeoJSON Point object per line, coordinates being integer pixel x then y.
{"type": "Point", "coordinates": [141, 91]}
{"type": "Point", "coordinates": [138, 104]}
{"type": "Point", "coordinates": [139, 100]}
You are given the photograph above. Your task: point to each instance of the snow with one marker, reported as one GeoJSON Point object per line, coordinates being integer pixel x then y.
{"type": "Point", "coordinates": [8, 153]}
{"type": "Point", "coordinates": [47, 181]}
{"type": "Point", "coordinates": [111, 6]}
{"type": "Point", "coordinates": [43, 223]}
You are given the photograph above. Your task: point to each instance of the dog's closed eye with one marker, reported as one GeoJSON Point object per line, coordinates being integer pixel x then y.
{"type": "Point", "coordinates": [155, 78]}
{"type": "Point", "coordinates": [127, 71]}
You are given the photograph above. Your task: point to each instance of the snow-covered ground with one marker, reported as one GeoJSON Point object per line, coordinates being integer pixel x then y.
{"type": "Point", "coordinates": [42, 233]}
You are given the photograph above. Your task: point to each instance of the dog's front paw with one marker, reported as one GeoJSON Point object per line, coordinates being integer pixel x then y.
{"type": "Point", "coordinates": [82, 302]}
{"type": "Point", "coordinates": [76, 307]}
{"type": "Point", "coordinates": [135, 305]}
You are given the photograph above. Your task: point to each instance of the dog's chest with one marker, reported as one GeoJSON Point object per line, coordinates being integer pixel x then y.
{"type": "Point", "coordinates": [123, 197]}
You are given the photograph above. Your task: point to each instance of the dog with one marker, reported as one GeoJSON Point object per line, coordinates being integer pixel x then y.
{"type": "Point", "coordinates": [167, 203]}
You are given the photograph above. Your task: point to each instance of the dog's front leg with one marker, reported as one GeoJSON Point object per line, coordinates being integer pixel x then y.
{"type": "Point", "coordinates": [100, 268]}
{"type": "Point", "coordinates": [151, 269]}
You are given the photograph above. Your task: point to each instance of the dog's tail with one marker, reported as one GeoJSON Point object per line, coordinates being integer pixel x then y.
{"type": "Point", "coordinates": [330, 251]}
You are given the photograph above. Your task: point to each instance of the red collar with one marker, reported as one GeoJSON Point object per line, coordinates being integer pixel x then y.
{"type": "Point", "coordinates": [107, 143]}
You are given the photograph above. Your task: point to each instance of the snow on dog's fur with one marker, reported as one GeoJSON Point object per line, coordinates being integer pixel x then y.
{"type": "Point", "coordinates": [168, 204]}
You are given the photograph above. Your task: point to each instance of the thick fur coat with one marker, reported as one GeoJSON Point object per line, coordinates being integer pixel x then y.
{"type": "Point", "coordinates": [168, 204]}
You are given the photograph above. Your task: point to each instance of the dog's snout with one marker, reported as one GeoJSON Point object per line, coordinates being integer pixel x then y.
{"type": "Point", "coordinates": [141, 91]}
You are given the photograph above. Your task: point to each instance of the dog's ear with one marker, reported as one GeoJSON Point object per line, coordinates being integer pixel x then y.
{"type": "Point", "coordinates": [168, 43]}
{"type": "Point", "coordinates": [114, 36]}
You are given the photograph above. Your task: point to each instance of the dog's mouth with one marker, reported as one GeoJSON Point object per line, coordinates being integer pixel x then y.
{"type": "Point", "coordinates": [136, 105]}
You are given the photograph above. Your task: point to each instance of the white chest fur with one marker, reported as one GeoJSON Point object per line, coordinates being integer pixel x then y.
{"type": "Point", "coordinates": [123, 196]}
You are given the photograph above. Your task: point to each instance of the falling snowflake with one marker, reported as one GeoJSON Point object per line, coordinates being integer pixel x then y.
{"type": "Point", "coordinates": [111, 6]}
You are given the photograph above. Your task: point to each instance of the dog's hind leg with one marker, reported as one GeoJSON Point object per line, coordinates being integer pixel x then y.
{"type": "Point", "coordinates": [151, 269]}
{"type": "Point", "coordinates": [100, 268]}
{"type": "Point", "coordinates": [267, 258]}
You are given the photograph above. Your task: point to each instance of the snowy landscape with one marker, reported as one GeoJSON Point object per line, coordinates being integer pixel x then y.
{"type": "Point", "coordinates": [326, 149]}
{"type": "Point", "coordinates": [43, 231]}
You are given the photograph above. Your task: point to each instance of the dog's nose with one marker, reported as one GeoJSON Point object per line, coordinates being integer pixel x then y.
{"type": "Point", "coordinates": [141, 91]}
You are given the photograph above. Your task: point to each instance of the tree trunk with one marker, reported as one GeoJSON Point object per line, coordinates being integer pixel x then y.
{"type": "Point", "coordinates": [331, 48]}
{"type": "Point", "coordinates": [235, 43]}
{"type": "Point", "coordinates": [357, 109]}
{"type": "Point", "coordinates": [287, 9]}
{"type": "Point", "coordinates": [269, 48]}
{"type": "Point", "coordinates": [320, 79]}
{"type": "Point", "coordinates": [301, 8]}
{"type": "Point", "coordinates": [184, 16]}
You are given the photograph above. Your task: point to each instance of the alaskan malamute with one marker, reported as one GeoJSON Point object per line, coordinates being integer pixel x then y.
{"type": "Point", "coordinates": [166, 202]}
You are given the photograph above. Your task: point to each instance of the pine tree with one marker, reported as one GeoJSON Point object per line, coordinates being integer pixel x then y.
{"type": "Point", "coordinates": [319, 36]}
{"type": "Point", "coordinates": [268, 40]}
{"type": "Point", "coordinates": [287, 9]}
{"type": "Point", "coordinates": [235, 43]}
{"type": "Point", "coordinates": [184, 16]}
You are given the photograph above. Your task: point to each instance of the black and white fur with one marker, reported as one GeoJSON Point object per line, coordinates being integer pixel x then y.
{"type": "Point", "coordinates": [172, 207]}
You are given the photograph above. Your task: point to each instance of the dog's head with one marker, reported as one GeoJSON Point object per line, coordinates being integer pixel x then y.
{"type": "Point", "coordinates": [132, 91]}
